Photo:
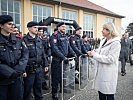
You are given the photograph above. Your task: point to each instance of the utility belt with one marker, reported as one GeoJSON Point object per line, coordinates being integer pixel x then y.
{"type": "Point", "coordinates": [30, 68]}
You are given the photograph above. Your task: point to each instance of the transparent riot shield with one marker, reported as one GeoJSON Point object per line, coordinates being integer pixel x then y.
{"type": "Point", "coordinates": [83, 71]}
{"type": "Point", "coordinates": [91, 69]}
{"type": "Point", "coordinates": [46, 79]}
{"type": "Point", "coordinates": [68, 79]}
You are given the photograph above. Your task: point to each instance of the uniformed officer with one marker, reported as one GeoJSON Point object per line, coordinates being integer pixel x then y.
{"type": "Point", "coordinates": [76, 44]}
{"type": "Point", "coordinates": [86, 45]}
{"type": "Point", "coordinates": [76, 41]}
{"type": "Point", "coordinates": [13, 60]}
{"type": "Point", "coordinates": [37, 61]}
{"type": "Point", "coordinates": [47, 50]}
{"type": "Point", "coordinates": [61, 50]}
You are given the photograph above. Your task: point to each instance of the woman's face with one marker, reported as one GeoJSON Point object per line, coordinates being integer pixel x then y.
{"type": "Point", "coordinates": [7, 27]}
{"type": "Point", "coordinates": [105, 32]}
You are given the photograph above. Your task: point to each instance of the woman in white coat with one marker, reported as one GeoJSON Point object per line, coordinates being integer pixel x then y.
{"type": "Point", "coordinates": [106, 60]}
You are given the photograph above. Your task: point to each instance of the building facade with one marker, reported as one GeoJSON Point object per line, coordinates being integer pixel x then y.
{"type": "Point", "coordinates": [89, 16]}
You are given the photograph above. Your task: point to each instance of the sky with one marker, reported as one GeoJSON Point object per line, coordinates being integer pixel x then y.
{"type": "Point", "coordinates": [121, 7]}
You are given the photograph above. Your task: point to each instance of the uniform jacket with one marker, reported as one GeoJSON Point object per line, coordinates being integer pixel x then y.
{"type": "Point", "coordinates": [60, 46]}
{"type": "Point", "coordinates": [106, 62]}
{"type": "Point", "coordinates": [86, 47]}
{"type": "Point", "coordinates": [36, 51]}
{"type": "Point", "coordinates": [13, 58]}
{"type": "Point", "coordinates": [47, 47]}
{"type": "Point", "coordinates": [76, 44]}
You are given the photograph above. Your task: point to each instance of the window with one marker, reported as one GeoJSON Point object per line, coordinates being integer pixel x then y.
{"type": "Point", "coordinates": [12, 8]}
{"type": "Point", "coordinates": [88, 25]}
{"type": "Point", "coordinates": [111, 20]}
{"type": "Point", "coordinates": [40, 12]}
{"type": "Point", "coordinates": [71, 15]}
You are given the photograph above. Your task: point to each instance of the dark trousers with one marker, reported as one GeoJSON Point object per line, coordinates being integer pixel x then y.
{"type": "Point", "coordinates": [56, 75]}
{"type": "Point", "coordinates": [13, 91]}
{"type": "Point", "coordinates": [33, 81]}
{"type": "Point", "coordinates": [105, 96]}
{"type": "Point", "coordinates": [123, 64]}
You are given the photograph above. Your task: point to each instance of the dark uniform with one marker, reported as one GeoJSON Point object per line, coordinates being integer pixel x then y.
{"type": "Point", "coordinates": [37, 61]}
{"type": "Point", "coordinates": [60, 51]}
{"type": "Point", "coordinates": [86, 46]}
{"type": "Point", "coordinates": [13, 60]}
{"type": "Point", "coordinates": [76, 44]}
{"type": "Point", "coordinates": [47, 47]}
{"type": "Point", "coordinates": [47, 50]}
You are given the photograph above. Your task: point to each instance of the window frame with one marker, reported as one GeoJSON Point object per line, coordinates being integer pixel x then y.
{"type": "Point", "coordinates": [89, 31]}
{"type": "Point", "coordinates": [7, 12]}
{"type": "Point", "coordinates": [43, 17]}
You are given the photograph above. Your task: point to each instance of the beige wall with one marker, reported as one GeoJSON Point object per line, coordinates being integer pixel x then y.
{"type": "Point", "coordinates": [118, 25]}
{"type": "Point", "coordinates": [26, 14]}
{"type": "Point", "coordinates": [100, 20]}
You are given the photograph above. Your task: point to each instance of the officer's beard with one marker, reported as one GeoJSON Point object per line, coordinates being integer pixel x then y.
{"type": "Point", "coordinates": [62, 31]}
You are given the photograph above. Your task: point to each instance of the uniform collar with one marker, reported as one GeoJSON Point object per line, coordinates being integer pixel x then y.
{"type": "Point", "coordinates": [78, 35]}
{"type": "Point", "coordinates": [30, 37]}
{"type": "Point", "coordinates": [13, 39]}
{"type": "Point", "coordinates": [33, 39]}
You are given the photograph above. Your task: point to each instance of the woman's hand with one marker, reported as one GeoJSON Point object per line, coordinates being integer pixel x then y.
{"type": "Point", "coordinates": [90, 53]}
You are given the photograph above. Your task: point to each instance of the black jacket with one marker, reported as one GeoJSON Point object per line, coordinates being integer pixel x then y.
{"type": "Point", "coordinates": [13, 58]}
{"type": "Point", "coordinates": [36, 52]}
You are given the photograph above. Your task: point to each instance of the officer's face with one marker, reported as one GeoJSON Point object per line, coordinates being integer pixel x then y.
{"type": "Point", "coordinates": [33, 30]}
{"type": "Point", "coordinates": [15, 31]}
{"type": "Point", "coordinates": [126, 35]}
{"type": "Point", "coordinates": [85, 39]}
{"type": "Point", "coordinates": [62, 28]}
{"type": "Point", "coordinates": [7, 27]}
{"type": "Point", "coordinates": [79, 32]}
{"type": "Point", "coordinates": [40, 32]}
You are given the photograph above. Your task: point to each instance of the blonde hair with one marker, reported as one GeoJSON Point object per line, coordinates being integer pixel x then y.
{"type": "Point", "coordinates": [112, 29]}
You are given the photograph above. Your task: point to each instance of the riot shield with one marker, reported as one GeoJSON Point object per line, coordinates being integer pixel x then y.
{"type": "Point", "coordinates": [91, 69]}
{"type": "Point", "coordinates": [68, 79]}
{"type": "Point", "coordinates": [83, 71]}
{"type": "Point", "coordinates": [46, 79]}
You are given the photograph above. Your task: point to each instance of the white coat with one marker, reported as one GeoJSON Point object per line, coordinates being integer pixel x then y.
{"type": "Point", "coordinates": [106, 60]}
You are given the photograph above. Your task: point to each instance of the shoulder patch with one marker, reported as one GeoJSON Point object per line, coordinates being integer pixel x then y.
{"type": "Point", "coordinates": [23, 43]}
{"type": "Point", "coordinates": [73, 42]}
{"type": "Point", "coordinates": [55, 40]}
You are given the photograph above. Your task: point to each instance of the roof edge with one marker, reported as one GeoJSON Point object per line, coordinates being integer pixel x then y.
{"type": "Point", "coordinates": [96, 11]}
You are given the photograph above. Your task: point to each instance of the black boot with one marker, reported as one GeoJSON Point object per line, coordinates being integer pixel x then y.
{"type": "Point", "coordinates": [55, 96]}
{"type": "Point", "coordinates": [45, 86]}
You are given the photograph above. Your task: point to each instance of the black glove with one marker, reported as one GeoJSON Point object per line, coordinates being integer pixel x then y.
{"type": "Point", "coordinates": [66, 61]}
{"type": "Point", "coordinates": [14, 75]}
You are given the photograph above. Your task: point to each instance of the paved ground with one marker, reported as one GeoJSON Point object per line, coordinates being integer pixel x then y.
{"type": "Point", "coordinates": [124, 88]}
